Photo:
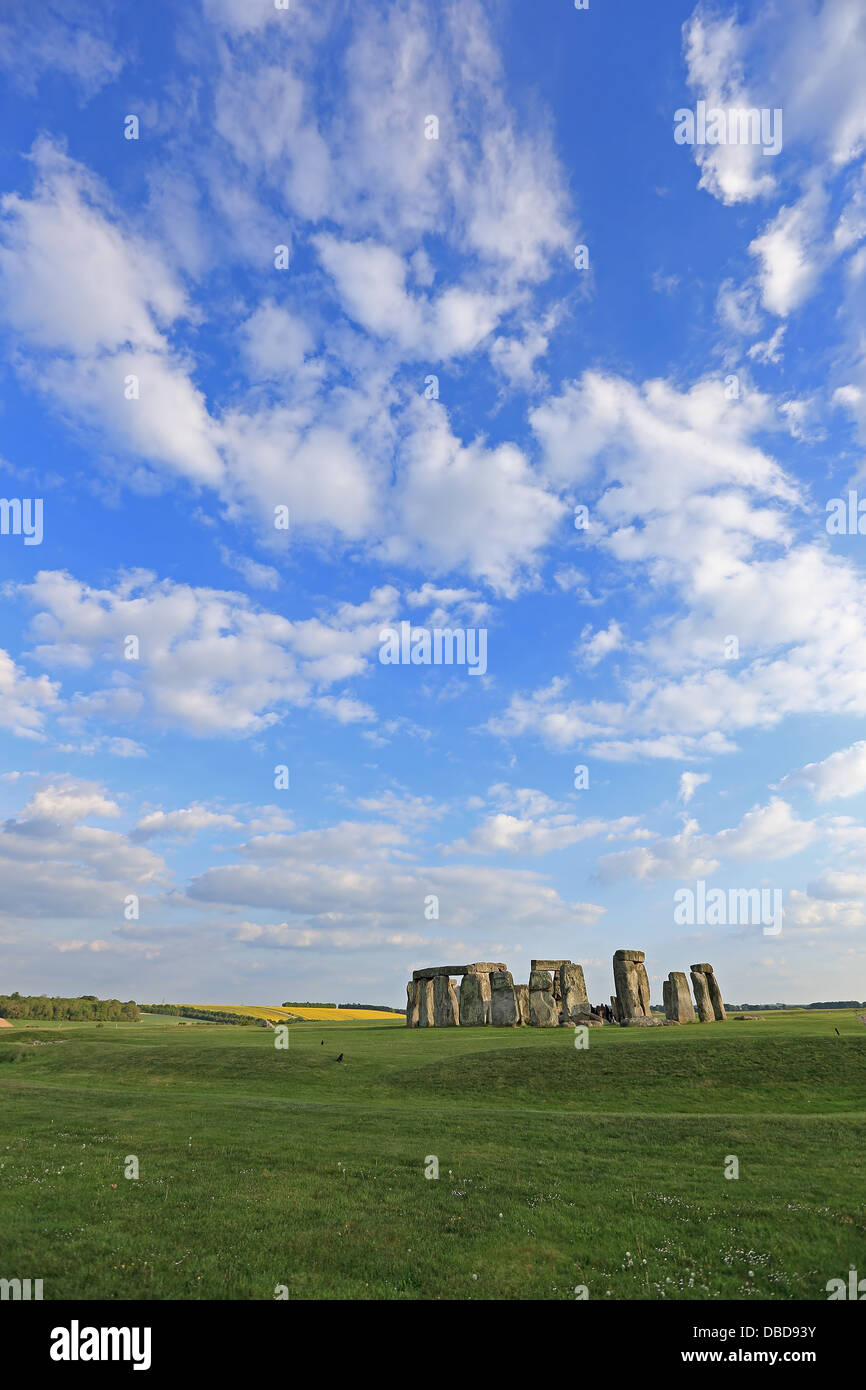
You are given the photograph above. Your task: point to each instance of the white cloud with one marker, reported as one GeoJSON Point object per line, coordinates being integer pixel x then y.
{"type": "Point", "coordinates": [689, 783]}
{"type": "Point", "coordinates": [765, 833]}
{"type": "Point", "coordinates": [841, 774]}
{"type": "Point", "coordinates": [468, 506]}
{"type": "Point", "coordinates": [210, 661]}
{"type": "Point", "coordinates": [70, 800]}
{"type": "Point", "coordinates": [70, 277]}
{"type": "Point", "coordinates": [24, 700]}
{"type": "Point", "coordinates": [595, 646]}
{"type": "Point", "coordinates": [183, 824]}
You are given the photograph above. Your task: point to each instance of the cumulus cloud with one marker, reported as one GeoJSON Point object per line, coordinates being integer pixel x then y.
{"type": "Point", "coordinates": [209, 661]}
{"type": "Point", "coordinates": [689, 783]}
{"type": "Point", "coordinates": [841, 774]}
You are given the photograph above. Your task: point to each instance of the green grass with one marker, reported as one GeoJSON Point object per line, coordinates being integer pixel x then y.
{"type": "Point", "coordinates": [558, 1167]}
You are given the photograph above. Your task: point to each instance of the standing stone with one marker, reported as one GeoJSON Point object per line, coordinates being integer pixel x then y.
{"type": "Point", "coordinates": [445, 1007]}
{"type": "Point", "coordinates": [614, 1007]}
{"type": "Point", "coordinates": [425, 1003]}
{"type": "Point", "coordinates": [703, 1004]}
{"type": "Point", "coordinates": [522, 992]}
{"type": "Point", "coordinates": [632, 985]}
{"type": "Point", "coordinates": [716, 998]}
{"type": "Point", "coordinates": [572, 987]}
{"type": "Point", "coordinates": [472, 1002]}
{"type": "Point", "coordinates": [412, 1004]}
{"type": "Point", "coordinates": [543, 1012]}
{"type": "Point", "coordinates": [486, 994]}
{"type": "Point", "coordinates": [678, 1001]}
{"type": "Point", "coordinates": [504, 1012]}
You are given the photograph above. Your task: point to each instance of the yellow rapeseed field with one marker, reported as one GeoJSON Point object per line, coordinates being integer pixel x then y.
{"type": "Point", "coordinates": [277, 1015]}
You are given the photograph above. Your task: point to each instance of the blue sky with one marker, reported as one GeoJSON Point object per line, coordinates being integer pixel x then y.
{"type": "Point", "coordinates": [699, 387]}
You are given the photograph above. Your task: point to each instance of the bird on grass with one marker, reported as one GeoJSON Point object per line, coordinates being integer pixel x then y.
{"type": "Point", "coordinates": [323, 1042]}
{"type": "Point", "coordinates": [340, 1058]}
{"type": "Point", "coordinates": [836, 1031]}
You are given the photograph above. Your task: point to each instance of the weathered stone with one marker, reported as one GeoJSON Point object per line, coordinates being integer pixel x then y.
{"type": "Point", "coordinates": [614, 1007]}
{"type": "Point", "coordinates": [504, 1012]}
{"type": "Point", "coordinates": [543, 1012]}
{"type": "Point", "coordinates": [445, 1008]}
{"type": "Point", "coordinates": [572, 990]}
{"type": "Point", "coordinates": [522, 992]}
{"type": "Point", "coordinates": [586, 1021]}
{"type": "Point", "coordinates": [704, 968]}
{"type": "Point", "coordinates": [425, 1003]}
{"type": "Point", "coordinates": [543, 1009]}
{"type": "Point", "coordinates": [412, 1004]}
{"type": "Point", "coordinates": [484, 967]}
{"type": "Point", "coordinates": [431, 971]}
{"type": "Point", "coordinates": [643, 987]}
{"type": "Point", "coordinates": [642, 1022]}
{"type": "Point", "coordinates": [716, 998]}
{"type": "Point", "coordinates": [472, 1002]}
{"type": "Point", "coordinates": [632, 985]}
{"type": "Point", "coordinates": [540, 979]}
{"type": "Point", "coordinates": [703, 1005]}
{"type": "Point", "coordinates": [547, 964]}
{"type": "Point", "coordinates": [678, 1001]}
{"type": "Point", "coordinates": [486, 993]}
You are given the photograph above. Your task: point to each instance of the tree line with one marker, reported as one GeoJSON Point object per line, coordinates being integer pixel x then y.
{"type": "Point", "coordinates": [83, 1008]}
{"type": "Point", "coordinates": [207, 1015]}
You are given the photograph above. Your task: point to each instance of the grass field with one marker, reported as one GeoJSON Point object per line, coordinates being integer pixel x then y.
{"type": "Point", "coordinates": [558, 1167]}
